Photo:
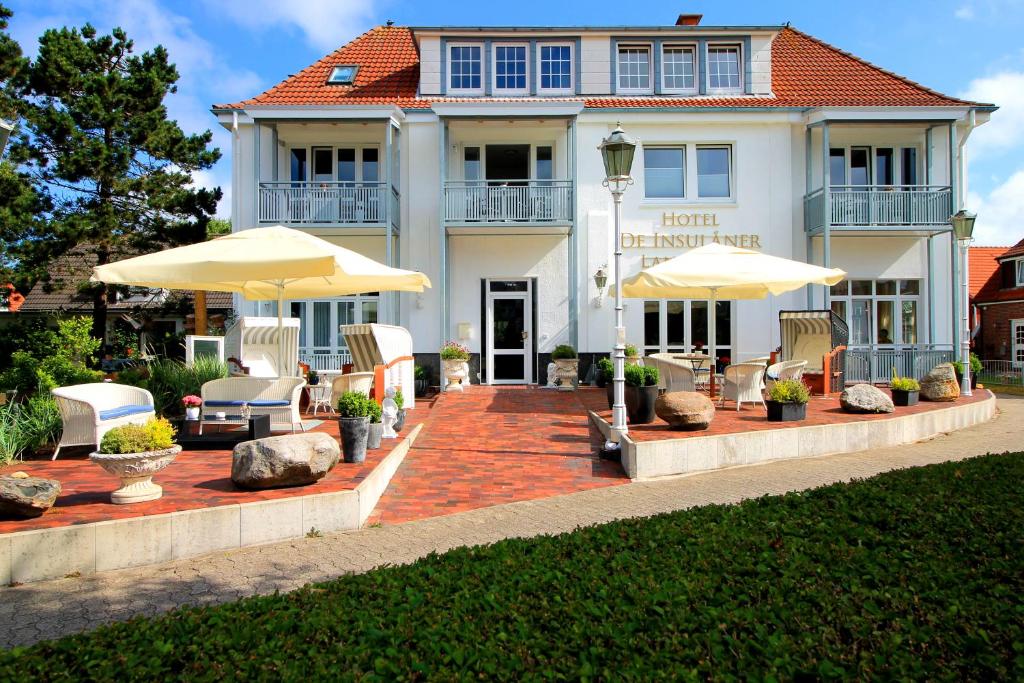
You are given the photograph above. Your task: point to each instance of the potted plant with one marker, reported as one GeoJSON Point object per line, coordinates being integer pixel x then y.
{"type": "Point", "coordinates": [376, 431]}
{"type": "Point", "coordinates": [632, 355]}
{"type": "Point", "coordinates": [787, 401]}
{"type": "Point", "coordinates": [958, 368]}
{"type": "Point", "coordinates": [354, 424]}
{"type": "Point", "coordinates": [453, 365]}
{"type": "Point", "coordinates": [192, 404]}
{"type": "Point", "coordinates": [134, 453]}
{"type": "Point", "coordinates": [313, 378]}
{"type": "Point", "coordinates": [605, 371]}
{"type": "Point", "coordinates": [641, 393]}
{"type": "Point", "coordinates": [905, 390]}
{"type": "Point", "coordinates": [400, 402]}
{"type": "Point", "coordinates": [567, 366]}
{"type": "Point", "coordinates": [422, 381]}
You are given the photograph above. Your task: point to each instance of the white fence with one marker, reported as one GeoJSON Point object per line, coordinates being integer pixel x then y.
{"type": "Point", "coordinates": [1001, 372]}
{"type": "Point", "coordinates": [875, 365]}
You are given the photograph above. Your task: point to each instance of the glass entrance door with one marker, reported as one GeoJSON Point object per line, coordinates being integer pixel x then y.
{"type": "Point", "coordinates": [509, 332]}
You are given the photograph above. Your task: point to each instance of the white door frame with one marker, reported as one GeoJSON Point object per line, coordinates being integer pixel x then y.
{"type": "Point", "coordinates": [527, 350]}
{"type": "Point", "coordinates": [1015, 347]}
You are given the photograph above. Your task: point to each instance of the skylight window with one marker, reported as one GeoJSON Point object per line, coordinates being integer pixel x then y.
{"type": "Point", "coordinates": [343, 75]}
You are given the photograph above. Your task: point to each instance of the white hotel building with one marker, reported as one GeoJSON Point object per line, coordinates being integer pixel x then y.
{"type": "Point", "coordinates": [470, 153]}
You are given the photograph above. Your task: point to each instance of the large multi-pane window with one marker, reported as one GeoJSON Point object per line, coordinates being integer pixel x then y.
{"type": "Point", "coordinates": [635, 68]}
{"type": "Point", "coordinates": [665, 172]}
{"type": "Point", "coordinates": [320, 321]}
{"type": "Point", "coordinates": [682, 326]}
{"type": "Point", "coordinates": [510, 68]}
{"type": "Point", "coordinates": [724, 67]}
{"type": "Point", "coordinates": [879, 312]}
{"type": "Point", "coordinates": [678, 69]}
{"type": "Point", "coordinates": [465, 67]}
{"type": "Point", "coordinates": [714, 171]}
{"type": "Point", "coordinates": [555, 68]}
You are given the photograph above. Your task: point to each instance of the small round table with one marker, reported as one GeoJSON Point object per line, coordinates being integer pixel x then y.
{"type": "Point", "coordinates": [320, 397]}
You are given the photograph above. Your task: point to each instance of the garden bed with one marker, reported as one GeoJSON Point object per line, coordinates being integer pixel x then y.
{"type": "Point", "coordinates": [911, 574]}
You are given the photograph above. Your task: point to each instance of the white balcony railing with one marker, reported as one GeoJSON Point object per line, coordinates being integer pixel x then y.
{"type": "Point", "coordinates": [878, 206]}
{"type": "Point", "coordinates": [323, 203]}
{"type": "Point", "coordinates": [324, 362]}
{"type": "Point", "coordinates": [508, 201]}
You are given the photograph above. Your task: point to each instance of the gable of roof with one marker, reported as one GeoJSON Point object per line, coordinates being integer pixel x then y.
{"type": "Point", "coordinates": [806, 72]}
{"type": "Point", "coordinates": [984, 268]}
{"type": "Point", "coordinates": [1015, 250]}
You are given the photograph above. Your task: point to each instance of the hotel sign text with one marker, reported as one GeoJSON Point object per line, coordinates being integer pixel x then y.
{"type": "Point", "coordinates": [690, 240]}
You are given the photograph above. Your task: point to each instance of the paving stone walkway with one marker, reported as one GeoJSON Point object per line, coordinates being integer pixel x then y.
{"type": "Point", "coordinates": [51, 609]}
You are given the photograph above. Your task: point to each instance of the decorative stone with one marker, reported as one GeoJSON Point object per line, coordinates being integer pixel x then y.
{"type": "Point", "coordinates": [940, 384]}
{"type": "Point", "coordinates": [136, 470]}
{"type": "Point", "coordinates": [685, 410]}
{"type": "Point", "coordinates": [27, 496]}
{"type": "Point", "coordinates": [20, 475]}
{"type": "Point", "coordinates": [288, 460]}
{"type": "Point", "coordinates": [865, 398]}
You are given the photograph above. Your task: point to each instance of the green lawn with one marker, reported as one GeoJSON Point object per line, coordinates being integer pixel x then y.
{"type": "Point", "coordinates": [912, 574]}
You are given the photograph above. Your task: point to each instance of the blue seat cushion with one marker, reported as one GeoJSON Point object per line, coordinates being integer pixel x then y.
{"type": "Point", "coordinates": [258, 403]}
{"type": "Point", "coordinates": [123, 411]}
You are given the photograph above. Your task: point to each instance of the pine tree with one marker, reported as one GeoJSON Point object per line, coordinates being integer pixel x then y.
{"type": "Point", "coordinates": [98, 138]}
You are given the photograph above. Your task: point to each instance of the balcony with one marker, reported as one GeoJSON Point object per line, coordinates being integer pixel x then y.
{"type": "Point", "coordinates": [522, 202]}
{"type": "Point", "coordinates": [325, 203]}
{"type": "Point", "coordinates": [873, 207]}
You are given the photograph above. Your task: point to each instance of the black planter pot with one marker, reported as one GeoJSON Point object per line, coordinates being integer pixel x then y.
{"type": "Point", "coordinates": [786, 412]}
{"type": "Point", "coordinates": [421, 387]}
{"type": "Point", "coordinates": [374, 435]}
{"type": "Point", "coordinates": [313, 381]}
{"type": "Point", "coordinates": [400, 420]}
{"type": "Point", "coordinates": [354, 432]}
{"type": "Point", "coordinates": [905, 398]}
{"type": "Point", "coordinates": [600, 380]}
{"type": "Point", "coordinates": [609, 389]}
{"type": "Point", "coordinates": [640, 404]}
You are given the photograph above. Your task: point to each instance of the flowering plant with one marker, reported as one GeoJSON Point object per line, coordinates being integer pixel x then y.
{"type": "Point", "coordinates": [454, 351]}
{"type": "Point", "coordinates": [191, 401]}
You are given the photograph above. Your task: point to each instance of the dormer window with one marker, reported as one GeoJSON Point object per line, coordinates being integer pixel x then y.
{"type": "Point", "coordinates": [465, 69]}
{"type": "Point", "coordinates": [556, 69]}
{"type": "Point", "coordinates": [634, 65]}
{"type": "Point", "coordinates": [724, 73]}
{"type": "Point", "coordinates": [343, 74]}
{"type": "Point", "coordinates": [510, 69]}
{"type": "Point", "coordinates": [679, 69]}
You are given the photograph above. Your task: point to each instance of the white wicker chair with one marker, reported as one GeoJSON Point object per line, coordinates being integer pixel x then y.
{"type": "Point", "coordinates": [353, 381]}
{"type": "Point", "coordinates": [787, 369]}
{"type": "Point", "coordinates": [88, 411]}
{"type": "Point", "coordinates": [276, 397]}
{"type": "Point", "coordinates": [673, 374]}
{"type": "Point", "coordinates": [742, 383]}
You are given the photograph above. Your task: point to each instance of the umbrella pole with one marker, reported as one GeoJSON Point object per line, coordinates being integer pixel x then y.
{"type": "Point", "coordinates": [280, 329]}
{"type": "Point", "coordinates": [713, 361]}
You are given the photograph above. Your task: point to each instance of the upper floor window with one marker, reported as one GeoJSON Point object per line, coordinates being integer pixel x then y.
{"type": "Point", "coordinates": [678, 68]}
{"type": "Point", "coordinates": [664, 172]}
{"type": "Point", "coordinates": [465, 68]}
{"type": "Point", "coordinates": [1012, 271]}
{"type": "Point", "coordinates": [555, 68]}
{"type": "Point", "coordinates": [1020, 272]}
{"type": "Point", "coordinates": [510, 68]}
{"type": "Point", "coordinates": [634, 68]}
{"type": "Point", "coordinates": [714, 172]}
{"type": "Point", "coordinates": [724, 67]}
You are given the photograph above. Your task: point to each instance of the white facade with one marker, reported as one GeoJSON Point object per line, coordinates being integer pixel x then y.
{"type": "Point", "coordinates": [462, 214]}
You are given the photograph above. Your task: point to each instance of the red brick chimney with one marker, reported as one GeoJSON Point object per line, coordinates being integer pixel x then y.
{"type": "Point", "coordinates": [689, 19]}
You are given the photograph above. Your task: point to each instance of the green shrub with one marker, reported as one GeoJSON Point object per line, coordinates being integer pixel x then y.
{"type": "Point", "coordinates": [57, 359]}
{"type": "Point", "coordinates": [12, 437]}
{"type": "Point", "coordinates": [27, 426]}
{"type": "Point", "coordinates": [399, 398]}
{"type": "Point", "coordinates": [169, 380]}
{"type": "Point", "coordinates": [632, 351]}
{"type": "Point", "coordinates": [606, 368]}
{"type": "Point", "coordinates": [789, 391]}
{"type": "Point", "coordinates": [420, 373]}
{"type": "Point", "coordinates": [911, 575]}
{"type": "Point", "coordinates": [374, 410]}
{"type": "Point", "coordinates": [904, 384]}
{"type": "Point", "coordinates": [354, 404]}
{"type": "Point", "coordinates": [156, 434]}
{"type": "Point", "coordinates": [641, 376]}
{"type": "Point", "coordinates": [563, 352]}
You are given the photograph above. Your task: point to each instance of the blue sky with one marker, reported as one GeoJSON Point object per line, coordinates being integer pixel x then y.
{"type": "Point", "coordinates": [229, 50]}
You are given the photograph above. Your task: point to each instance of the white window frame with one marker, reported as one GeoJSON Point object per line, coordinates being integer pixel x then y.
{"type": "Point", "coordinates": [483, 69]}
{"type": "Point", "coordinates": [739, 64]}
{"type": "Point", "coordinates": [897, 300]}
{"type": "Point", "coordinates": [686, 169]}
{"type": "Point", "coordinates": [1019, 270]}
{"type": "Point", "coordinates": [525, 90]}
{"type": "Point", "coordinates": [619, 89]}
{"type": "Point", "coordinates": [692, 48]}
{"type": "Point", "coordinates": [1014, 346]}
{"type": "Point", "coordinates": [731, 148]}
{"type": "Point", "coordinates": [688, 344]}
{"type": "Point", "coordinates": [572, 69]}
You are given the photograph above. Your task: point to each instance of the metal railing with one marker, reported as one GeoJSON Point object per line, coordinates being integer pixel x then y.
{"type": "Point", "coordinates": [508, 201]}
{"type": "Point", "coordinates": [1001, 372]}
{"type": "Point", "coordinates": [875, 365]}
{"type": "Point", "coordinates": [322, 362]}
{"type": "Point", "coordinates": [878, 205]}
{"type": "Point", "coordinates": [322, 202]}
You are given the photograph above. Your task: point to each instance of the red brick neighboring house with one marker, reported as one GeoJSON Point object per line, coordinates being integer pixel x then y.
{"type": "Point", "coordinates": [997, 293]}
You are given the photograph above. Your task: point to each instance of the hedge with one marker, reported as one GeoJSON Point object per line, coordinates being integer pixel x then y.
{"type": "Point", "coordinates": [911, 574]}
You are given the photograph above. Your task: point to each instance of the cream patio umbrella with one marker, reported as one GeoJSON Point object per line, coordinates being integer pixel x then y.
{"type": "Point", "coordinates": [272, 263]}
{"type": "Point", "coordinates": [717, 272]}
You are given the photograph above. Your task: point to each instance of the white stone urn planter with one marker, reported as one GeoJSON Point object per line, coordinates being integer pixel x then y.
{"type": "Point", "coordinates": [136, 470]}
{"type": "Point", "coordinates": [456, 372]}
{"type": "Point", "coordinates": [567, 370]}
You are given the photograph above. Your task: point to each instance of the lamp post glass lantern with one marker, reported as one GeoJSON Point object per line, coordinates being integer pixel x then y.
{"type": "Point", "coordinates": [963, 227]}
{"type": "Point", "coordinates": [617, 152]}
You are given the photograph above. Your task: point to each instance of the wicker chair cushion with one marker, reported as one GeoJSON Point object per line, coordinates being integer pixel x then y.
{"type": "Point", "coordinates": [122, 411]}
{"type": "Point", "coordinates": [257, 403]}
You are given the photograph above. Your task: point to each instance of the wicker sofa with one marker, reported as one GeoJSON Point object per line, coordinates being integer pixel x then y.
{"type": "Point", "coordinates": [88, 411]}
{"type": "Point", "coordinates": [276, 397]}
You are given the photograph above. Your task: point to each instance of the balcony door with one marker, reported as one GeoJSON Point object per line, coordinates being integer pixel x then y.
{"type": "Point", "coordinates": [507, 162]}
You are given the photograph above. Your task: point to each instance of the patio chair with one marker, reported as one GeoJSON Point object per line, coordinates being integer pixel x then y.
{"type": "Point", "coordinates": [787, 369]}
{"type": "Point", "coordinates": [278, 398]}
{"type": "Point", "coordinates": [673, 374]}
{"type": "Point", "coordinates": [88, 411]}
{"type": "Point", "coordinates": [353, 381]}
{"type": "Point", "coordinates": [742, 383]}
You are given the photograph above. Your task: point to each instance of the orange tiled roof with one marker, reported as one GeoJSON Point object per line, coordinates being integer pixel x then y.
{"type": "Point", "coordinates": [1015, 250]}
{"type": "Point", "coordinates": [806, 72]}
{"type": "Point", "coordinates": [983, 267]}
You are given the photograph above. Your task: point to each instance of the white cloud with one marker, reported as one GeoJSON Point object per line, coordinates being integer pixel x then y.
{"type": "Point", "coordinates": [327, 24]}
{"type": "Point", "coordinates": [965, 12]}
{"type": "Point", "coordinates": [1006, 128]}
{"type": "Point", "coordinates": [1000, 212]}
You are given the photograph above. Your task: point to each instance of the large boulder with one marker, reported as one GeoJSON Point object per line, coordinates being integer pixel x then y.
{"type": "Point", "coordinates": [685, 410]}
{"type": "Point", "coordinates": [289, 460]}
{"type": "Point", "coordinates": [865, 398]}
{"type": "Point", "coordinates": [27, 496]}
{"type": "Point", "coordinates": [940, 384]}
